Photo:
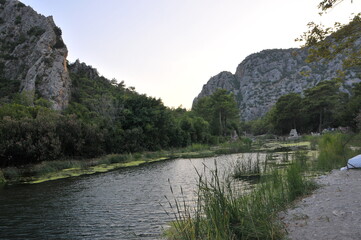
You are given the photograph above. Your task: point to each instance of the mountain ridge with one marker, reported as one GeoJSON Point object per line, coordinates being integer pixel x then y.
{"type": "Point", "coordinates": [261, 78]}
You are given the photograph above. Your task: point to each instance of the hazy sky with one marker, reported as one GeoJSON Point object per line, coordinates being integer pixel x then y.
{"type": "Point", "coordinates": [169, 48]}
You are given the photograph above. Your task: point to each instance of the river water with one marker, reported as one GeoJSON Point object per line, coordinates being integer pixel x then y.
{"type": "Point", "coordinates": [125, 204]}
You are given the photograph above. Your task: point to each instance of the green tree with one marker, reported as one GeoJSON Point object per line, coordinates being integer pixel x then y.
{"type": "Point", "coordinates": [287, 113]}
{"type": "Point", "coordinates": [220, 110]}
{"type": "Point", "coordinates": [352, 108]}
{"type": "Point", "coordinates": [320, 103]}
{"type": "Point", "coordinates": [225, 109]}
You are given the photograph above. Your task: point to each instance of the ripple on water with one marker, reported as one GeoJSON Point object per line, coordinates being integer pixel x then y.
{"type": "Point", "coordinates": [125, 204]}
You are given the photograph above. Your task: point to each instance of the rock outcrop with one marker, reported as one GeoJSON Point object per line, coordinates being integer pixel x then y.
{"type": "Point", "coordinates": [33, 54]}
{"type": "Point", "coordinates": [81, 68]}
{"type": "Point", "coordinates": [265, 76]}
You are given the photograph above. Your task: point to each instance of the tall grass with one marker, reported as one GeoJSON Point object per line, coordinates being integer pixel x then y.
{"type": "Point", "coordinates": [313, 141]}
{"type": "Point", "coordinates": [296, 184]}
{"type": "Point", "coordinates": [2, 178]}
{"type": "Point", "coordinates": [11, 173]}
{"type": "Point", "coordinates": [53, 166]}
{"type": "Point", "coordinates": [221, 213]}
{"type": "Point", "coordinates": [241, 145]}
{"type": "Point", "coordinates": [196, 147]}
{"type": "Point", "coordinates": [333, 152]}
{"type": "Point", "coordinates": [247, 168]}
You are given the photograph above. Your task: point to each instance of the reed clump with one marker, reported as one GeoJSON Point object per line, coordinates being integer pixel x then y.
{"type": "Point", "coordinates": [247, 169]}
{"type": "Point", "coordinates": [222, 213]}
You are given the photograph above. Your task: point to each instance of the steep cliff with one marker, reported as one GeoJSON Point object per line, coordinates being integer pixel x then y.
{"type": "Point", "coordinates": [263, 77]}
{"type": "Point", "coordinates": [33, 54]}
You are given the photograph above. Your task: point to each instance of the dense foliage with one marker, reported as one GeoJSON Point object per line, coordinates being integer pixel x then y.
{"type": "Point", "coordinates": [220, 110]}
{"type": "Point", "coordinates": [321, 107]}
{"type": "Point", "coordinates": [103, 117]}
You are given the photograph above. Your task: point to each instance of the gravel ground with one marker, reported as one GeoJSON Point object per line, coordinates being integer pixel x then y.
{"type": "Point", "coordinates": [332, 212]}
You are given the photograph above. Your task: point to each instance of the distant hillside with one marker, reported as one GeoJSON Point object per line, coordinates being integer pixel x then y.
{"type": "Point", "coordinates": [263, 77]}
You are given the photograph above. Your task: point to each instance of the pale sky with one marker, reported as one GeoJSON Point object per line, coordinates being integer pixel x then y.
{"type": "Point", "coordinates": [169, 48]}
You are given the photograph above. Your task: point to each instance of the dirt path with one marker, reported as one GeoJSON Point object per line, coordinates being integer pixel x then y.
{"type": "Point", "coordinates": [332, 212]}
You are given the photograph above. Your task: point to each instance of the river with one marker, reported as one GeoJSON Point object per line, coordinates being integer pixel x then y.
{"type": "Point", "coordinates": [127, 204]}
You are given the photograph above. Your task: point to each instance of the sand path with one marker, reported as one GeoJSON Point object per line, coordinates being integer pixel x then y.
{"type": "Point", "coordinates": [332, 212]}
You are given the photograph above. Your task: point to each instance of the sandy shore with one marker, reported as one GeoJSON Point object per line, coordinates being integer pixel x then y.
{"type": "Point", "coordinates": [332, 212]}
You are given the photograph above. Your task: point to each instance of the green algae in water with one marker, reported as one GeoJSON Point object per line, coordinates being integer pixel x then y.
{"type": "Point", "coordinates": [75, 172]}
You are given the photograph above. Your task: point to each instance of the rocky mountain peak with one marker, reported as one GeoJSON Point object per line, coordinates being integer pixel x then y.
{"type": "Point", "coordinates": [33, 54]}
{"type": "Point", "coordinates": [261, 78]}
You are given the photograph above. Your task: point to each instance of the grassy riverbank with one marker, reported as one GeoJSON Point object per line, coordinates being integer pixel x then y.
{"type": "Point", "coordinates": [53, 170]}
{"type": "Point", "coordinates": [64, 168]}
{"type": "Point", "coordinates": [224, 213]}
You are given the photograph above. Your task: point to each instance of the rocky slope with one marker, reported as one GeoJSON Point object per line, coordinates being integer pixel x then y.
{"type": "Point", "coordinates": [81, 68]}
{"type": "Point", "coordinates": [33, 54]}
{"type": "Point", "coordinates": [265, 76]}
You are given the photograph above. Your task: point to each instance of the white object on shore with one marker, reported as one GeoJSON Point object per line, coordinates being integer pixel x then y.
{"type": "Point", "coordinates": [354, 162]}
{"type": "Point", "coordinates": [343, 168]}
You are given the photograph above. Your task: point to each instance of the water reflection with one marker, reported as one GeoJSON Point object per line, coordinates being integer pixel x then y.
{"type": "Point", "coordinates": [123, 204]}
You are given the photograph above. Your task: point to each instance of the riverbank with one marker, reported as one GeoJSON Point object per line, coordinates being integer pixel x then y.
{"type": "Point", "coordinates": [333, 211]}
{"type": "Point", "coordinates": [54, 170]}
{"type": "Point", "coordinates": [65, 168]}
{"type": "Point", "coordinates": [277, 193]}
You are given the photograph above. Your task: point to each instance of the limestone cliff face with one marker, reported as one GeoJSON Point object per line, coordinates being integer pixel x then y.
{"type": "Point", "coordinates": [33, 53]}
{"type": "Point", "coordinates": [265, 76]}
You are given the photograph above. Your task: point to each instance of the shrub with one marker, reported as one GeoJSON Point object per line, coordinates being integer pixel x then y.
{"type": "Point", "coordinates": [18, 20]}
{"type": "Point", "coordinates": [36, 31]}
{"type": "Point", "coordinates": [59, 43]}
{"type": "Point", "coordinates": [196, 147]}
{"type": "Point", "coordinates": [54, 166]}
{"type": "Point", "coordinates": [57, 31]}
{"type": "Point", "coordinates": [119, 158]}
{"type": "Point", "coordinates": [20, 5]}
{"type": "Point", "coordinates": [332, 151]}
{"type": "Point", "coordinates": [11, 173]}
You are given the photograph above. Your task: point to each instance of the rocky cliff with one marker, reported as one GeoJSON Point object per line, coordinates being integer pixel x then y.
{"type": "Point", "coordinates": [33, 54]}
{"type": "Point", "coordinates": [263, 77]}
{"type": "Point", "coordinates": [83, 69]}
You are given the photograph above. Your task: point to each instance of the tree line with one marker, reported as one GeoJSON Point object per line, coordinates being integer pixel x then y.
{"type": "Point", "coordinates": [321, 107]}
{"type": "Point", "coordinates": [106, 117]}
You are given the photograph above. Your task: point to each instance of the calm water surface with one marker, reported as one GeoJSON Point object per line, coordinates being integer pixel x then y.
{"type": "Point", "coordinates": [123, 204]}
